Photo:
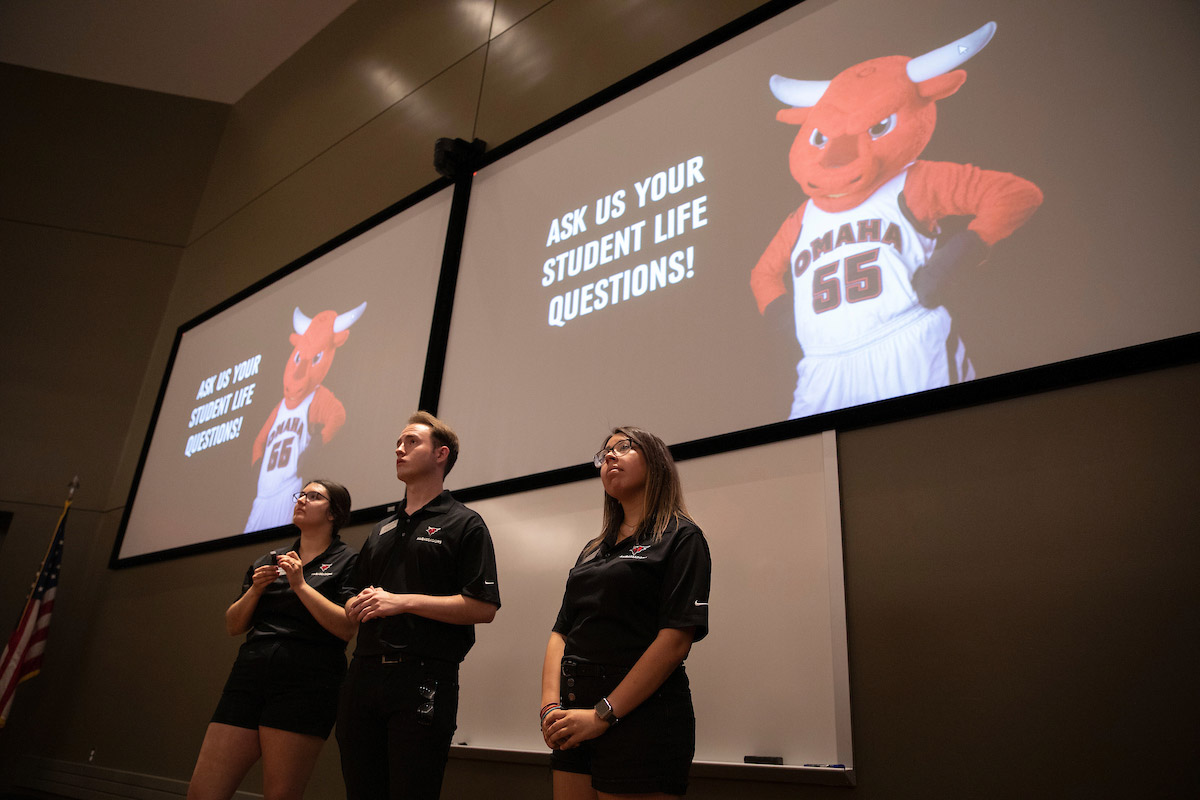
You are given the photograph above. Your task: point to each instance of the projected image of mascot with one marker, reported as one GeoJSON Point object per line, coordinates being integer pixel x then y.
{"type": "Point", "coordinates": [867, 256]}
{"type": "Point", "coordinates": [307, 407]}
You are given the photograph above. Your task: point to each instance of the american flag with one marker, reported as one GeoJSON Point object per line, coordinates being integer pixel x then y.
{"type": "Point", "coordinates": [22, 657]}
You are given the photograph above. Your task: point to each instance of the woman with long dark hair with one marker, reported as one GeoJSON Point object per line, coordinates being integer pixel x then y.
{"type": "Point", "coordinates": [280, 701]}
{"type": "Point", "coordinates": [617, 707]}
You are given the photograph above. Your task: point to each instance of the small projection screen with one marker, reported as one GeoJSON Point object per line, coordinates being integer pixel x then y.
{"type": "Point", "coordinates": [312, 376]}
{"type": "Point", "coordinates": [718, 250]}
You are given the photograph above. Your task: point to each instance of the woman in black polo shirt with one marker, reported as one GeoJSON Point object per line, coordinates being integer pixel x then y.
{"type": "Point", "coordinates": [281, 698]}
{"type": "Point", "coordinates": [617, 708]}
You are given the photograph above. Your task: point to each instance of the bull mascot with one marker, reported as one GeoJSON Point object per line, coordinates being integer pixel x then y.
{"type": "Point", "coordinates": [307, 407]}
{"type": "Point", "coordinates": [868, 256]}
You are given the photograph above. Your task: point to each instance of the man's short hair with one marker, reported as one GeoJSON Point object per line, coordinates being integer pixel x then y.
{"type": "Point", "coordinates": [443, 436]}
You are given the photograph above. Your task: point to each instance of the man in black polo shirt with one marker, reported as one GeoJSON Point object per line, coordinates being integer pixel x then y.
{"type": "Point", "coordinates": [425, 576]}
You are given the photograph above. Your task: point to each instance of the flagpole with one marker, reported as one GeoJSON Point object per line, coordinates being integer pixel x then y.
{"type": "Point", "coordinates": [71, 487]}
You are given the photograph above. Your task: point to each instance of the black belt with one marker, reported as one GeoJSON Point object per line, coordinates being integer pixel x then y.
{"type": "Point", "coordinates": [408, 658]}
{"type": "Point", "coordinates": [398, 659]}
{"type": "Point", "coordinates": [577, 669]}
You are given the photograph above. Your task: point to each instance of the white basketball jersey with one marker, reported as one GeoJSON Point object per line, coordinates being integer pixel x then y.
{"type": "Point", "coordinates": [286, 441]}
{"type": "Point", "coordinates": [852, 272]}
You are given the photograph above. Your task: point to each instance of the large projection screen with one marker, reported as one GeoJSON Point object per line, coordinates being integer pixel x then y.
{"type": "Point", "coordinates": [606, 274]}
{"type": "Point", "coordinates": [771, 680]}
{"type": "Point", "coordinates": [353, 374]}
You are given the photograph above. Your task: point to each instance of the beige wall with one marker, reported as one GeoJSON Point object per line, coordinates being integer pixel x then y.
{"type": "Point", "coordinates": [1018, 591]}
{"type": "Point", "coordinates": [100, 184]}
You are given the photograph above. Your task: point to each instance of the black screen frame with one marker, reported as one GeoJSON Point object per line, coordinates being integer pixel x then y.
{"type": "Point", "coordinates": [1155, 355]}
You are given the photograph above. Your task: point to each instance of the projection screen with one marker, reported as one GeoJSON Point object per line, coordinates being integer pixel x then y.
{"type": "Point", "coordinates": [720, 249]}
{"type": "Point", "coordinates": [312, 376]}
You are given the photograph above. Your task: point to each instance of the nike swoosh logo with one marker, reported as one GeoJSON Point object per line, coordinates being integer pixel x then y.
{"type": "Point", "coordinates": [697, 602]}
{"type": "Point", "coordinates": [489, 583]}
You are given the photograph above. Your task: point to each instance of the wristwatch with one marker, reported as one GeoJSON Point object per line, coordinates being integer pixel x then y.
{"type": "Point", "coordinates": [605, 712]}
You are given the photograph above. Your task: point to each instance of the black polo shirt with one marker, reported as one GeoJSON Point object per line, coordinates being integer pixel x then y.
{"type": "Point", "coordinates": [443, 549]}
{"type": "Point", "coordinates": [281, 614]}
{"type": "Point", "coordinates": [620, 596]}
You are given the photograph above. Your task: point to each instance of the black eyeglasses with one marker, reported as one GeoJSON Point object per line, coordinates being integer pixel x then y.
{"type": "Point", "coordinates": [425, 710]}
{"type": "Point", "coordinates": [619, 449]}
{"type": "Point", "coordinates": [312, 497]}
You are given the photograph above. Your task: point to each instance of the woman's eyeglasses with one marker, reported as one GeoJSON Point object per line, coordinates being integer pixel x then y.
{"type": "Point", "coordinates": [619, 449]}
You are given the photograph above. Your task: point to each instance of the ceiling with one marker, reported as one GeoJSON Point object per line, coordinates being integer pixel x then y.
{"type": "Point", "coordinates": [208, 49]}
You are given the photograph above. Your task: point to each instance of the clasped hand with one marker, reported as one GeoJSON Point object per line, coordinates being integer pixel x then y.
{"type": "Point", "coordinates": [292, 566]}
{"type": "Point", "coordinates": [264, 576]}
{"type": "Point", "coordinates": [566, 728]}
{"type": "Point", "coordinates": [374, 602]}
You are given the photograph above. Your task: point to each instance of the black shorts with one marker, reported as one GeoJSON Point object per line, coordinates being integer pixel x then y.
{"type": "Point", "coordinates": [289, 685]}
{"type": "Point", "coordinates": [648, 750]}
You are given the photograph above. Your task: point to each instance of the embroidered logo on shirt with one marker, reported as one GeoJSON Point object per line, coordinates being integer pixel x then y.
{"type": "Point", "coordinates": [635, 550]}
{"type": "Point", "coordinates": [429, 533]}
{"type": "Point", "coordinates": [324, 570]}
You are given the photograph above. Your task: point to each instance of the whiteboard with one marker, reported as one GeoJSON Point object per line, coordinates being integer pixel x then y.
{"type": "Point", "coordinates": [770, 679]}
